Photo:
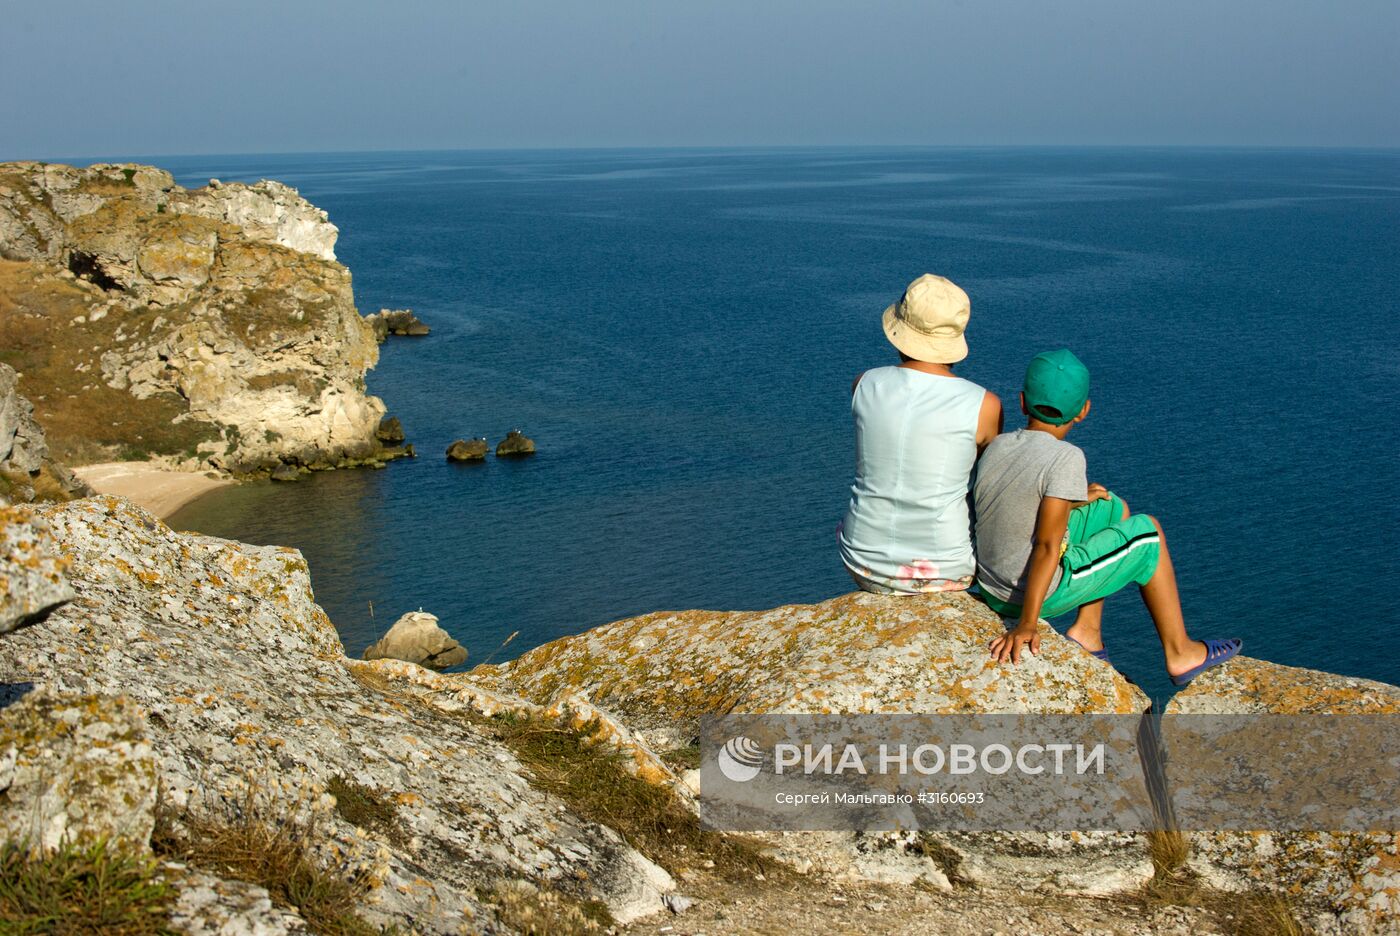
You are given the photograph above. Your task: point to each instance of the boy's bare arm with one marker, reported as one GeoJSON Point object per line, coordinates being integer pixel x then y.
{"type": "Point", "coordinates": [1050, 525]}
{"type": "Point", "coordinates": [989, 420]}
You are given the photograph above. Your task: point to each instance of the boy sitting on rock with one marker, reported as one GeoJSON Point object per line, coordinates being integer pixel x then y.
{"type": "Point", "coordinates": [1048, 542]}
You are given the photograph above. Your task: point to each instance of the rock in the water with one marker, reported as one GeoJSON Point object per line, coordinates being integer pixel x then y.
{"type": "Point", "coordinates": [32, 582]}
{"type": "Point", "coordinates": [76, 768]}
{"type": "Point", "coordinates": [463, 451]}
{"type": "Point", "coordinates": [388, 322]}
{"type": "Point", "coordinates": [1348, 881]}
{"type": "Point", "coordinates": [390, 431]}
{"type": "Point", "coordinates": [285, 472]}
{"type": "Point", "coordinates": [515, 445]}
{"type": "Point", "coordinates": [416, 638]}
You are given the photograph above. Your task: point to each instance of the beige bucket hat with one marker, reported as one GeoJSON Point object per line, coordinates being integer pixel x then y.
{"type": "Point", "coordinates": [928, 321]}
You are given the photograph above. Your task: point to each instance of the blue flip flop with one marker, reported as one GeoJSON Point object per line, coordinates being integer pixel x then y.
{"type": "Point", "coordinates": [1217, 652]}
{"type": "Point", "coordinates": [1096, 654]}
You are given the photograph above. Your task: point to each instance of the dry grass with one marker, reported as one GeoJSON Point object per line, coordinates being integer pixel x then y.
{"type": "Point", "coordinates": [591, 779]}
{"type": "Point", "coordinates": [531, 911]}
{"type": "Point", "coordinates": [84, 419]}
{"type": "Point", "coordinates": [1253, 913]}
{"type": "Point", "coordinates": [41, 487]}
{"type": "Point", "coordinates": [273, 852]}
{"type": "Point", "coordinates": [82, 890]}
{"type": "Point", "coordinates": [366, 807]}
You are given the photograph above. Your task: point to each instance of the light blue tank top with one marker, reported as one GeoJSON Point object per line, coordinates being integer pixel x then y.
{"type": "Point", "coordinates": [908, 527]}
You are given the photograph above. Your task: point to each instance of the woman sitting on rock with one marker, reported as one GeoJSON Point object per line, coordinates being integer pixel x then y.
{"type": "Point", "coordinates": [919, 430]}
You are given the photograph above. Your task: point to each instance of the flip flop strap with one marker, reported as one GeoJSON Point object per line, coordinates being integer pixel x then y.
{"type": "Point", "coordinates": [1215, 648]}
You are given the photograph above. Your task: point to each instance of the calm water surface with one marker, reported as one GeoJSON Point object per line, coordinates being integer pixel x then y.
{"type": "Point", "coordinates": [678, 330]}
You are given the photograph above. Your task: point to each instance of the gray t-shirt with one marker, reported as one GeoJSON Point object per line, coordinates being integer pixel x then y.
{"type": "Point", "coordinates": [1014, 473]}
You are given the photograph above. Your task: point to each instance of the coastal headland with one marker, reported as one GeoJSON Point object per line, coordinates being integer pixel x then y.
{"type": "Point", "coordinates": [181, 706]}
{"type": "Point", "coordinates": [212, 328]}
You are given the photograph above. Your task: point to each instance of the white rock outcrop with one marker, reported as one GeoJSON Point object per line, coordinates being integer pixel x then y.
{"type": "Point", "coordinates": [219, 315]}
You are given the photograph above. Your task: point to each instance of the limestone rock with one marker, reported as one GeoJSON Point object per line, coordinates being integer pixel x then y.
{"type": "Point", "coordinates": [22, 444]}
{"type": "Point", "coordinates": [388, 322]}
{"type": "Point", "coordinates": [853, 654]}
{"type": "Point", "coordinates": [1350, 881]}
{"type": "Point", "coordinates": [856, 653]}
{"type": "Point", "coordinates": [285, 472]}
{"type": "Point", "coordinates": [463, 451]}
{"type": "Point", "coordinates": [32, 582]}
{"type": "Point", "coordinates": [416, 638]}
{"type": "Point", "coordinates": [206, 905]}
{"type": "Point", "coordinates": [269, 211]}
{"type": "Point", "coordinates": [76, 768]}
{"type": "Point", "coordinates": [390, 431]}
{"type": "Point", "coordinates": [515, 445]}
{"type": "Point", "coordinates": [24, 452]}
{"type": "Point", "coordinates": [251, 700]}
{"type": "Point", "coordinates": [1247, 686]}
{"type": "Point", "coordinates": [216, 320]}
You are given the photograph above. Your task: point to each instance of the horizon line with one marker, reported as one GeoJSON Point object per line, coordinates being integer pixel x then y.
{"type": "Point", "coordinates": [745, 147]}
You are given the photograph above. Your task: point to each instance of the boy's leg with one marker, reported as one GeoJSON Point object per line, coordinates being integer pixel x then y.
{"type": "Point", "coordinates": [1085, 521]}
{"type": "Point", "coordinates": [1087, 629]}
{"type": "Point", "coordinates": [1132, 551]}
{"type": "Point", "coordinates": [1164, 604]}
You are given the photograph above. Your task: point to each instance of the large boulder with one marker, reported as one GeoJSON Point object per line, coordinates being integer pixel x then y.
{"type": "Point", "coordinates": [852, 654]}
{"type": "Point", "coordinates": [1348, 881]}
{"type": "Point", "coordinates": [32, 581]}
{"type": "Point", "coordinates": [859, 653]}
{"type": "Point", "coordinates": [253, 706]}
{"type": "Point", "coordinates": [214, 324]}
{"type": "Point", "coordinates": [416, 638]}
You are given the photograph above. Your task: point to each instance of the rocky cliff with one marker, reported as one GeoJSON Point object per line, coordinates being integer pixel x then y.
{"type": "Point", "coordinates": [204, 668]}
{"type": "Point", "coordinates": [211, 326]}
{"type": "Point", "coordinates": [865, 653]}
{"type": "Point", "coordinates": [164, 690]}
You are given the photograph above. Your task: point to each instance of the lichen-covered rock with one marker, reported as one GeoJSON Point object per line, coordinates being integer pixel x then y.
{"type": "Point", "coordinates": [214, 324]}
{"type": "Point", "coordinates": [856, 653]}
{"type": "Point", "coordinates": [252, 703]}
{"type": "Point", "coordinates": [1350, 880]}
{"type": "Point", "coordinates": [417, 638]}
{"type": "Point", "coordinates": [1247, 686]}
{"type": "Point", "coordinates": [76, 768]}
{"type": "Point", "coordinates": [32, 581]}
{"type": "Point", "coordinates": [859, 653]}
{"type": "Point", "coordinates": [206, 905]}
{"type": "Point", "coordinates": [515, 445]}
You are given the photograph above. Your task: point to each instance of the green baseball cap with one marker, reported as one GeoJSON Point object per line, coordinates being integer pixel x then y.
{"type": "Point", "coordinates": [1056, 381]}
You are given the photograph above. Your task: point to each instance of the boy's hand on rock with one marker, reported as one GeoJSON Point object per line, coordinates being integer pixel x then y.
{"type": "Point", "coordinates": [1009, 645]}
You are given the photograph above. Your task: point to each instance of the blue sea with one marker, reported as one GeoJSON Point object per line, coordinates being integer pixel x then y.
{"type": "Point", "coordinates": [678, 330]}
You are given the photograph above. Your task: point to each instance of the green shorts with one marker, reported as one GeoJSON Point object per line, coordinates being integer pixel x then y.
{"type": "Point", "coordinates": [1104, 554]}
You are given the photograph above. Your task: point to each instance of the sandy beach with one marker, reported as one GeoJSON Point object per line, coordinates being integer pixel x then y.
{"type": "Point", "coordinates": [159, 490]}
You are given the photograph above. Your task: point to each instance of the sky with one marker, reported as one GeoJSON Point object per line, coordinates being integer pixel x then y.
{"type": "Point", "coordinates": [146, 77]}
